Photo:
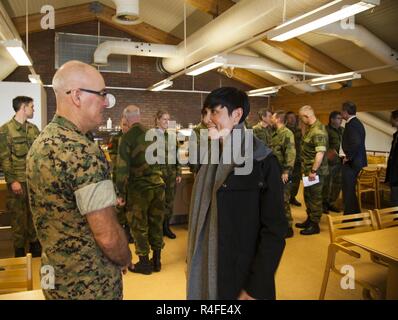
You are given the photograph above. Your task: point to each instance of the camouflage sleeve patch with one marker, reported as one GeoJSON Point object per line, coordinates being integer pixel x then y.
{"type": "Point", "coordinates": [95, 197]}
{"type": "Point", "coordinates": [320, 142]}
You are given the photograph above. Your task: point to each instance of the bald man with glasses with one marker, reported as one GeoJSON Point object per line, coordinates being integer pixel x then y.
{"type": "Point", "coordinates": [72, 195]}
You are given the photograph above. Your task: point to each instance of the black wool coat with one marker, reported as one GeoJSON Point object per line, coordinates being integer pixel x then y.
{"type": "Point", "coordinates": [251, 231]}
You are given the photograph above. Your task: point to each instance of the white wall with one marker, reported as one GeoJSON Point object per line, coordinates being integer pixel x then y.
{"type": "Point", "coordinates": [376, 139]}
{"type": "Point", "coordinates": [9, 90]}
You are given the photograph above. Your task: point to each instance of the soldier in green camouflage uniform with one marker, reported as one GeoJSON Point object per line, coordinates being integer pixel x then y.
{"type": "Point", "coordinates": [16, 137]}
{"type": "Point", "coordinates": [263, 129]}
{"type": "Point", "coordinates": [314, 162]}
{"type": "Point", "coordinates": [332, 185]}
{"type": "Point", "coordinates": [72, 195]}
{"type": "Point", "coordinates": [142, 186]}
{"type": "Point", "coordinates": [291, 124]}
{"type": "Point", "coordinates": [113, 147]}
{"type": "Point", "coordinates": [282, 145]}
{"type": "Point", "coordinates": [171, 173]}
{"type": "Point", "coordinates": [204, 124]}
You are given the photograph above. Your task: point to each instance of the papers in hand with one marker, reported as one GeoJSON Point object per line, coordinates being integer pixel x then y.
{"type": "Point", "coordinates": [308, 183]}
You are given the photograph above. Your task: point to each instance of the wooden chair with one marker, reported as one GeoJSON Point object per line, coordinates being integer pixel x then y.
{"type": "Point", "coordinates": [16, 274]}
{"type": "Point", "coordinates": [367, 182]}
{"type": "Point", "coordinates": [387, 217]}
{"type": "Point", "coordinates": [369, 275]}
{"type": "Point", "coordinates": [381, 185]}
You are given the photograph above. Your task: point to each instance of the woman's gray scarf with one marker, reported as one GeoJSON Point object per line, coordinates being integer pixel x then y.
{"type": "Point", "coordinates": [202, 229]}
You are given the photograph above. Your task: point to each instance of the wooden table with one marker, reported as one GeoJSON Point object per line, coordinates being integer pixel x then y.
{"type": "Point", "coordinates": [23, 295]}
{"type": "Point", "coordinates": [384, 244]}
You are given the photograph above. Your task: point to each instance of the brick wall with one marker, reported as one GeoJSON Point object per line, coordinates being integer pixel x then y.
{"type": "Point", "coordinates": [183, 107]}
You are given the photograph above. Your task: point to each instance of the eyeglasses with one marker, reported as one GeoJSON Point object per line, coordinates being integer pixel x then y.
{"type": "Point", "coordinates": [102, 93]}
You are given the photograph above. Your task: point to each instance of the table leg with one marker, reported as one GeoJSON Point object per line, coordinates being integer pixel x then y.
{"type": "Point", "coordinates": [392, 282]}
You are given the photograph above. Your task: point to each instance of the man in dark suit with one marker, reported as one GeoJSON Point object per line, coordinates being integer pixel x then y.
{"type": "Point", "coordinates": [353, 145]}
{"type": "Point", "coordinates": [392, 167]}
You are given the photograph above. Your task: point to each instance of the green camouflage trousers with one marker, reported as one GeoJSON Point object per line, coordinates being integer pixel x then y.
{"type": "Point", "coordinates": [286, 199]}
{"type": "Point", "coordinates": [332, 185]}
{"type": "Point", "coordinates": [169, 177]}
{"type": "Point", "coordinates": [296, 179]}
{"type": "Point", "coordinates": [145, 213]}
{"type": "Point", "coordinates": [21, 217]}
{"type": "Point", "coordinates": [313, 200]}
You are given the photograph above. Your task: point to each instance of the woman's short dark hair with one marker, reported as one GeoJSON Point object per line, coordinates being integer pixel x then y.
{"type": "Point", "coordinates": [230, 98]}
{"type": "Point", "coordinates": [17, 102]}
{"type": "Point", "coordinates": [350, 108]}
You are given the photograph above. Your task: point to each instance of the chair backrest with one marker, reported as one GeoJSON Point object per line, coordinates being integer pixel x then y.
{"type": "Point", "coordinates": [17, 274]}
{"type": "Point", "coordinates": [342, 225]}
{"type": "Point", "coordinates": [368, 177]}
{"type": "Point", "coordinates": [376, 159]}
{"type": "Point", "coordinates": [382, 174]}
{"type": "Point", "coordinates": [387, 217]}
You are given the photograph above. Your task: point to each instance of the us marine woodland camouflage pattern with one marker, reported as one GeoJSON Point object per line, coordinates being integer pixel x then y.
{"type": "Point", "coordinates": [62, 161]}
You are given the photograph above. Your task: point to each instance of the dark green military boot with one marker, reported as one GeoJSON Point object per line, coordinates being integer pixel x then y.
{"type": "Point", "coordinates": [35, 249]}
{"type": "Point", "coordinates": [304, 224]}
{"type": "Point", "coordinates": [167, 231]}
{"type": "Point", "coordinates": [313, 228]}
{"type": "Point", "coordinates": [19, 252]}
{"type": "Point", "coordinates": [144, 266]}
{"type": "Point", "coordinates": [156, 261]}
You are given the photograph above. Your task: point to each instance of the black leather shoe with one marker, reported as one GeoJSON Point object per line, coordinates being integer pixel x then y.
{"type": "Point", "coordinates": [290, 233]}
{"type": "Point", "coordinates": [294, 202]}
{"type": "Point", "coordinates": [167, 231]}
{"type": "Point", "coordinates": [334, 208]}
{"type": "Point", "coordinates": [304, 224]}
{"type": "Point", "coordinates": [144, 266]}
{"type": "Point", "coordinates": [313, 228]}
{"type": "Point", "coordinates": [19, 252]}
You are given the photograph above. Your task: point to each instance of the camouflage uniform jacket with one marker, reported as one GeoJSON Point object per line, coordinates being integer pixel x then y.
{"type": "Point", "coordinates": [171, 169]}
{"type": "Point", "coordinates": [63, 166]}
{"type": "Point", "coordinates": [314, 140]}
{"type": "Point", "coordinates": [132, 170]}
{"type": "Point", "coordinates": [284, 149]}
{"type": "Point", "coordinates": [264, 134]}
{"type": "Point", "coordinates": [15, 142]}
{"type": "Point", "coordinates": [335, 137]}
{"type": "Point", "coordinates": [297, 140]}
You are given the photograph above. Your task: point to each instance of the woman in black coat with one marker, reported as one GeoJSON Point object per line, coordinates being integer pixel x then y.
{"type": "Point", "coordinates": [392, 166]}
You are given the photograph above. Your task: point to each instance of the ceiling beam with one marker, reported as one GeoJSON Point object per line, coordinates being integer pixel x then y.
{"type": "Point", "coordinates": [90, 12]}
{"type": "Point", "coordinates": [294, 48]}
{"type": "Point", "coordinates": [212, 7]}
{"type": "Point", "coordinates": [63, 17]}
{"type": "Point", "coordinates": [312, 57]}
{"type": "Point", "coordinates": [375, 97]}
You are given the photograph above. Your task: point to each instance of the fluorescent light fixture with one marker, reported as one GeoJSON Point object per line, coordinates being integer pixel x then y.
{"type": "Point", "coordinates": [262, 91]}
{"type": "Point", "coordinates": [206, 65]}
{"type": "Point", "coordinates": [334, 11]}
{"type": "Point", "coordinates": [34, 78]}
{"type": "Point", "coordinates": [161, 85]}
{"type": "Point", "coordinates": [17, 51]}
{"type": "Point", "coordinates": [335, 78]}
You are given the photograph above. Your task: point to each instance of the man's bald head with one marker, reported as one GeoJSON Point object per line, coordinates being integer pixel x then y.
{"type": "Point", "coordinates": [74, 74]}
{"type": "Point", "coordinates": [132, 114]}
